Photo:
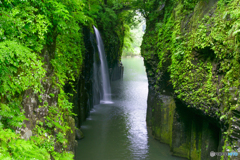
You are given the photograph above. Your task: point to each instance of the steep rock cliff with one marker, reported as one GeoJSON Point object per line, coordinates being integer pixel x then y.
{"type": "Point", "coordinates": [191, 56]}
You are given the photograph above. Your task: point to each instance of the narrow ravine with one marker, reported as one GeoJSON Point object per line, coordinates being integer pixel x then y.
{"type": "Point", "coordinates": [118, 131]}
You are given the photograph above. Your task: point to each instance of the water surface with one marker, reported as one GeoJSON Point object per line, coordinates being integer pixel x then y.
{"type": "Point", "coordinates": [118, 131]}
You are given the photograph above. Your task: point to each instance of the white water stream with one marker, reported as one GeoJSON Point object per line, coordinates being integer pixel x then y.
{"type": "Point", "coordinates": [106, 89]}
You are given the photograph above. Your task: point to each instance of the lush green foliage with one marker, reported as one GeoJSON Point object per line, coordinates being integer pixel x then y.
{"type": "Point", "coordinates": [13, 147]}
{"type": "Point", "coordinates": [18, 64]}
{"type": "Point", "coordinates": [113, 19]}
{"type": "Point", "coordinates": [201, 41]}
{"type": "Point", "coordinates": [133, 40]}
{"type": "Point", "coordinates": [41, 42]}
{"type": "Point", "coordinates": [29, 30]}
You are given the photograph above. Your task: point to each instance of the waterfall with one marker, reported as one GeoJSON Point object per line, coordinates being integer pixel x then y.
{"type": "Point", "coordinates": [106, 89]}
{"type": "Point", "coordinates": [95, 85]}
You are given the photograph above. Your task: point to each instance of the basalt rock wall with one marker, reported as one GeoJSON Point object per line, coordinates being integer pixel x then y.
{"type": "Point", "coordinates": [83, 93]}
{"type": "Point", "coordinates": [193, 98]}
{"type": "Point", "coordinates": [88, 84]}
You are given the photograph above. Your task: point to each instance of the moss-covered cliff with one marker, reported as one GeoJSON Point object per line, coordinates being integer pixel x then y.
{"type": "Point", "coordinates": [191, 53]}
{"type": "Point", "coordinates": [46, 73]}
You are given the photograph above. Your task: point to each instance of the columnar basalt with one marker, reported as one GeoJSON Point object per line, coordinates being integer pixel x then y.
{"type": "Point", "coordinates": [190, 73]}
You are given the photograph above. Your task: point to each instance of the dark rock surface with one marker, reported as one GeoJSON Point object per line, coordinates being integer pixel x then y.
{"type": "Point", "coordinates": [190, 132]}
{"type": "Point", "coordinates": [79, 134]}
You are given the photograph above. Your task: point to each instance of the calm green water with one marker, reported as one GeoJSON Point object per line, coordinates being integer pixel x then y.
{"type": "Point", "coordinates": [118, 131]}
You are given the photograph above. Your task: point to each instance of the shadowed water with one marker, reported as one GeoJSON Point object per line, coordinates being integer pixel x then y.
{"type": "Point", "coordinates": [118, 131]}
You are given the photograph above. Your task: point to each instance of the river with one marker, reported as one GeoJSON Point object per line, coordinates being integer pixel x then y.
{"type": "Point", "coordinates": [118, 131]}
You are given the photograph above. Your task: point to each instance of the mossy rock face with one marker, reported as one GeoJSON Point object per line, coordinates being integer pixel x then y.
{"type": "Point", "coordinates": [79, 134]}
{"type": "Point", "coordinates": [188, 134]}
{"type": "Point", "coordinates": [162, 119]}
{"type": "Point", "coordinates": [210, 139]}
{"type": "Point", "coordinates": [70, 135]}
{"type": "Point", "coordinates": [198, 49]}
{"type": "Point", "coordinates": [181, 133]}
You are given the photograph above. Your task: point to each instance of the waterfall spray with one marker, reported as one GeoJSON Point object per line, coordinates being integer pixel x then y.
{"type": "Point", "coordinates": [106, 97]}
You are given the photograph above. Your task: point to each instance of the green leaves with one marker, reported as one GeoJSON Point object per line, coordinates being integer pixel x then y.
{"type": "Point", "coordinates": [235, 32]}
{"type": "Point", "coordinates": [10, 142]}
{"type": "Point", "coordinates": [222, 116]}
{"type": "Point", "coordinates": [13, 58]}
{"type": "Point", "coordinates": [203, 54]}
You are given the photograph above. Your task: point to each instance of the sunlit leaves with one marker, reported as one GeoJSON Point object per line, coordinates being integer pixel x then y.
{"type": "Point", "coordinates": [26, 27]}
{"type": "Point", "coordinates": [13, 58]}
{"type": "Point", "coordinates": [200, 80]}
{"type": "Point", "coordinates": [11, 142]}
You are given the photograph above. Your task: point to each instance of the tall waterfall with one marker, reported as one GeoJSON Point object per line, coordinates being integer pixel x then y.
{"type": "Point", "coordinates": [106, 89]}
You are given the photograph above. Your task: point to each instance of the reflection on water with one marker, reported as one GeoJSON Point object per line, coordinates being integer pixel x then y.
{"type": "Point", "coordinates": [118, 131]}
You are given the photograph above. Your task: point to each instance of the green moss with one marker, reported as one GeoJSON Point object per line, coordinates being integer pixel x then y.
{"type": "Point", "coordinates": [157, 132]}
{"type": "Point", "coordinates": [172, 107]}
{"type": "Point", "coordinates": [195, 152]}
{"type": "Point", "coordinates": [202, 40]}
{"type": "Point", "coordinates": [182, 151]}
{"type": "Point", "coordinates": [163, 129]}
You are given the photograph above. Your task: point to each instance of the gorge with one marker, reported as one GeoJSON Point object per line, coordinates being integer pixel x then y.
{"type": "Point", "coordinates": [54, 92]}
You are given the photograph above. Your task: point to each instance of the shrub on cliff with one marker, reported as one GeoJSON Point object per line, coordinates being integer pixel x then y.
{"type": "Point", "coordinates": [30, 31]}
